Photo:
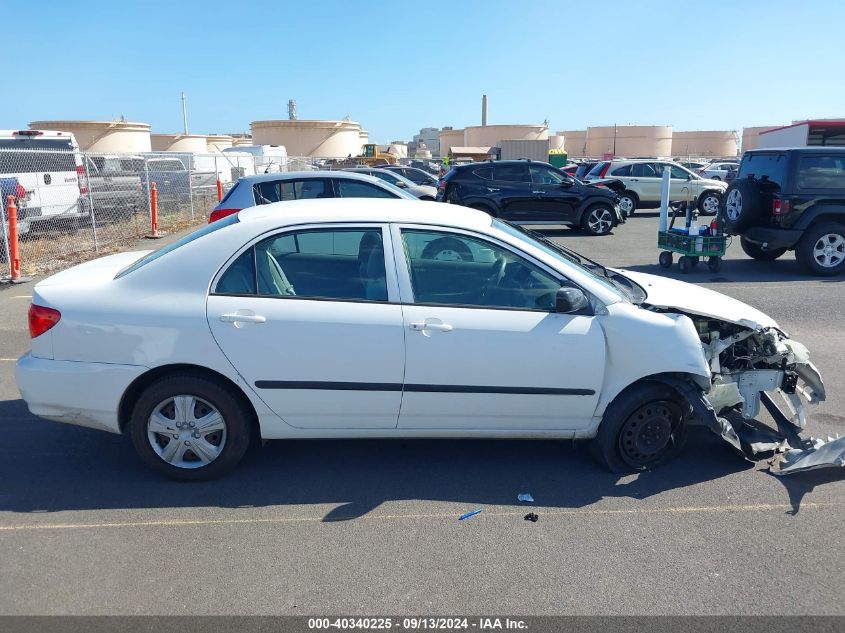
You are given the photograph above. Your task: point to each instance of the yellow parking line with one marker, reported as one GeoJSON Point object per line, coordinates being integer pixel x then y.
{"type": "Point", "coordinates": [759, 507]}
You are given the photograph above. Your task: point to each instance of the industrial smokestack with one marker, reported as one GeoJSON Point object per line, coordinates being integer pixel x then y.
{"type": "Point", "coordinates": [483, 110]}
{"type": "Point", "coordinates": [292, 110]}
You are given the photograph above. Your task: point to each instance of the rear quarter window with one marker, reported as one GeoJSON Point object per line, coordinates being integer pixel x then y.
{"type": "Point", "coordinates": [596, 170]}
{"type": "Point", "coordinates": [821, 172]}
{"type": "Point", "coordinates": [622, 171]}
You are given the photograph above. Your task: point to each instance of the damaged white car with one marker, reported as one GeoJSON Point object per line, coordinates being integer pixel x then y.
{"type": "Point", "coordinates": [365, 318]}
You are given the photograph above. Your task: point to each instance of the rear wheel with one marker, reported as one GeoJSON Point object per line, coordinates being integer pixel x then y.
{"type": "Point", "coordinates": [643, 427]}
{"type": "Point", "coordinates": [756, 251]}
{"type": "Point", "coordinates": [741, 204]}
{"type": "Point", "coordinates": [822, 249]}
{"type": "Point", "coordinates": [708, 203]}
{"type": "Point", "coordinates": [188, 427]}
{"type": "Point", "coordinates": [598, 220]}
{"type": "Point", "coordinates": [627, 203]}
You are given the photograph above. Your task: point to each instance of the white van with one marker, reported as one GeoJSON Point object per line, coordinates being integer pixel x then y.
{"type": "Point", "coordinates": [45, 169]}
{"type": "Point", "coordinates": [268, 158]}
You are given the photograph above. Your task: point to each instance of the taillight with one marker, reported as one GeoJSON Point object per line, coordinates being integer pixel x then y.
{"type": "Point", "coordinates": [42, 319]}
{"type": "Point", "coordinates": [83, 180]}
{"type": "Point", "coordinates": [441, 184]}
{"type": "Point", "coordinates": [20, 192]}
{"type": "Point", "coordinates": [604, 169]}
{"type": "Point", "coordinates": [219, 214]}
{"type": "Point", "coordinates": [781, 207]}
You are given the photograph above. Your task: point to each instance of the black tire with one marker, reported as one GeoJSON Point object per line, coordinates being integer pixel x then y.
{"type": "Point", "coordinates": [628, 200]}
{"type": "Point", "coordinates": [741, 205]}
{"type": "Point", "coordinates": [436, 248]}
{"type": "Point", "coordinates": [684, 264]}
{"type": "Point", "coordinates": [237, 419]}
{"type": "Point", "coordinates": [709, 202]}
{"type": "Point", "coordinates": [714, 264]}
{"type": "Point", "coordinates": [693, 261]}
{"type": "Point", "coordinates": [756, 251]}
{"type": "Point", "coordinates": [598, 219]}
{"type": "Point", "coordinates": [665, 259]}
{"type": "Point", "coordinates": [645, 426]}
{"type": "Point", "coordinates": [826, 234]}
{"type": "Point", "coordinates": [716, 178]}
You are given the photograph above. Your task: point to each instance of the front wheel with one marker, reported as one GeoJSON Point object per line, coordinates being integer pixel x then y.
{"type": "Point", "coordinates": [598, 220]}
{"type": "Point", "coordinates": [189, 427]}
{"type": "Point", "coordinates": [643, 427]}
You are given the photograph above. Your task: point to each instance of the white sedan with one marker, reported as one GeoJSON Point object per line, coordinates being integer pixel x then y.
{"type": "Point", "coordinates": [381, 318]}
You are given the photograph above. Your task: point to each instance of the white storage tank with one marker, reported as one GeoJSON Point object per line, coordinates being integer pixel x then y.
{"type": "Point", "coordinates": [750, 136]}
{"type": "Point", "coordinates": [194, 143]}
{"type": "Point", "coordinates": [630, 141]}
{"type": "Point", "coordinates": [217, 142]}
{"type": "Point", "coordinates": [575, 143]}
{"type": "Point", "coordinates": [557, 141]}
{"type": "Point", "coordinates": [716, 143]}
{"type": "Point", "coordinates": [450, 138]}
{"type": "Point", "coordinates": [112, 137]}
{"type": "Point", "coordinates": [490, 135]}
{"type": "Point", "coordinates": [320, 139]}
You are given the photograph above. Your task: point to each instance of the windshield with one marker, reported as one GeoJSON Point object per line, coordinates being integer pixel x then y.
{"type": "Point", "coordinates": [612, 280]}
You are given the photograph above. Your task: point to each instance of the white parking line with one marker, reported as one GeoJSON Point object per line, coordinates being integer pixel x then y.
{"type": "Point", "coordinates": [9, 360]}
{"type": "Point", "coordinates": [21, 296]}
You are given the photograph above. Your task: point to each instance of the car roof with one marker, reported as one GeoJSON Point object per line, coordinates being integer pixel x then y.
{"type": "Point", "coordinates": [814, 148]}
{"type": "Point", "coordinates": [324, 173]}
{"type": "Point", "coordinates": [331, 210]}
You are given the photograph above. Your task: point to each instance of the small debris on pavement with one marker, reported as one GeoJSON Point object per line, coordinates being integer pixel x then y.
{"type": "Point", "coordinates": [531, 517]}
{"type": "Point", "coordinates": [469, 514]}
{"type": "Point", "coordinates": [525, 496]}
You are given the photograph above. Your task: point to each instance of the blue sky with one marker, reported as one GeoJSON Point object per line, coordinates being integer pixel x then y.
{"type": "Point", "coordinates": [399, 66]}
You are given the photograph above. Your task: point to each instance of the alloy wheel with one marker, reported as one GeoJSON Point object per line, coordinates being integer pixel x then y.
{"type": "Point", "coordinates": [829, 250]}
{"type": "Point", "coordinates": [626, 205]}
{"type": "Point", "coordinates": [733, 205]}
{"type": "Point", "coordinates": [710, 204]}
{"type": "Point", "coordinates": [186, 431]}
{"type": "Point", "coordinates": [600, 220]}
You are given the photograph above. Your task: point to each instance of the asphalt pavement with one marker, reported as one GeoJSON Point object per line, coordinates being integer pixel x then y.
{"type": "Point", "coordinates": [369, 527]}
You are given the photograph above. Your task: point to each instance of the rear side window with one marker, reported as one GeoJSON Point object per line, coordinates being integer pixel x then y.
{"type": "Point", "coordinates": [770, 167]}
{"type": "Point", "coordinates": [485, 173]}
{"type": "Point", "coordinates": [821, 172]}
{"type": "Point", "coordinates": [511, 173]}
{"type": "Point", "coordinates": [47, 155]}
{"type": "Point", "coordinates": [358, 189]}
{"type": "Point", "coordinates": [622, 171]}
{"type": "Point", "coordinates": [286, 190]}
{"type": "Point", "coordinates": [596, 170]}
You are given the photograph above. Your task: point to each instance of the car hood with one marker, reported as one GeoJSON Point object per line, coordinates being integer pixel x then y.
{"type": "Point", "coordinates": [718, 184]}
{"type": "Point", "coordinates": [668, 293]}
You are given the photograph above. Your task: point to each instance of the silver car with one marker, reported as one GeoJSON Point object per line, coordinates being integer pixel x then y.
{"type": "Point", "coordinates": [423, 192]}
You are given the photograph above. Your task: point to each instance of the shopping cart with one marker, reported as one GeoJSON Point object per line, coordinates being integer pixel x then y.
{"type": "Point", "coordinates": [691, 247]}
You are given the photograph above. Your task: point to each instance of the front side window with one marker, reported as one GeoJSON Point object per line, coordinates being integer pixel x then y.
{"type": "Point", "coordinates": [341, 264]}
{"type": "Point", "coordinates": [359, 189]}
{"type": "Point", "coordinates": [457, 270]}
{"type": "Point", "coordinates": [677, 172]}
{"type": "Point", "coordinates": [544, 176]}
{"type": "Point", "coordinates": [285, 190]}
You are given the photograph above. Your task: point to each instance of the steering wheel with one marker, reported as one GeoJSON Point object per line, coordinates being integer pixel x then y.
{"type": "Point", "coordinates": [496, 277]}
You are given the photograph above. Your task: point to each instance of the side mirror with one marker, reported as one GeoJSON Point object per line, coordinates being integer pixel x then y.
{"type": "Point", "coordinates": [566, 184]}
{"type": "Point", "coordinates": [401, 184]}
{"type": "Point", "coordinates": [571, 300]}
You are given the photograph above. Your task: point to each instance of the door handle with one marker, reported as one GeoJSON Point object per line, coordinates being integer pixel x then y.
{"type": "Point", "coordinates": [635, 179]}
{"type": "Point", "coordinates": [492, 189]}
{"type": "Point", "coordinates": [242, 318]}
{"type": "Point", "coordinates": [422, 326]}
{"type": "Point", "coordinates": [539, 192]}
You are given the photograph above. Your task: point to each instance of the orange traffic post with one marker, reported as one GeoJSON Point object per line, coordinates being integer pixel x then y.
{"type": "Point", "coordinates": [154, 235]}
{"type": "Point", "coordinates": [14, 253]}
{"type": "Point", "coordinates": [219, 190]}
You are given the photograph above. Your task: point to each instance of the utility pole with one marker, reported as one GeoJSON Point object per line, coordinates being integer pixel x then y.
{"type": "Point", "coordinates": [184, 115]}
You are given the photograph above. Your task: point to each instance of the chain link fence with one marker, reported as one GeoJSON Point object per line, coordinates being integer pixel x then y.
{"type": "Point", "coordinates": [73, 205]}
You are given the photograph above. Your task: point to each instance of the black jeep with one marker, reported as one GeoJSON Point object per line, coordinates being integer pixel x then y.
{"type": "Point", "coordinates": [785, 199]}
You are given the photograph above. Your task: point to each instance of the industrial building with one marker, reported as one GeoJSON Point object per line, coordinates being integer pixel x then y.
{"type": "Point", "coordinates": [103, 136]}
{"type": "Point", "coordinates": [751, 136]}
{"type": "Point", "coordinates": [813, 132]}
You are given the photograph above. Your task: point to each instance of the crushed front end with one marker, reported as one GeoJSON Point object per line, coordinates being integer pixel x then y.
{"type": "Point", "coordinates": [753, 365]}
